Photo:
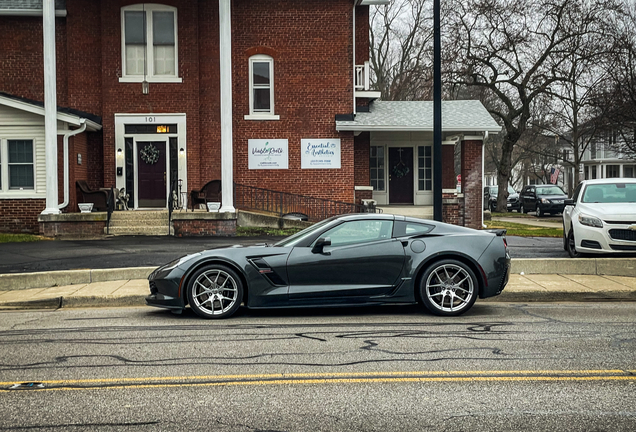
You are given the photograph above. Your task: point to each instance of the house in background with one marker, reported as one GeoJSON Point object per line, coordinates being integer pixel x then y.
{"type": "Point", "coordinates": [161, 98]}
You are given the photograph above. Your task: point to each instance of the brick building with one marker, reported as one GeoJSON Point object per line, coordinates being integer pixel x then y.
{"type": "Point", "coordinates": [271, 94]}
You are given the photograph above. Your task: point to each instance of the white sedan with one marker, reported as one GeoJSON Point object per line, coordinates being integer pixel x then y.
{"type": "Point", "coordinates": [601, 217]}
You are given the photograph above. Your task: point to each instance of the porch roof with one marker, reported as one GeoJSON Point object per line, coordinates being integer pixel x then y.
{"type": "Point", "coordinates": [457, 116]}
{"type": "Point", "coordinates": [68, 115]}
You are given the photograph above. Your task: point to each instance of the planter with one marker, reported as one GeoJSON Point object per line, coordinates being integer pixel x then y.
{"type": "Point", "coordinates": [85, 207]}
{"type": "Point", "coordinates": [214, 206]}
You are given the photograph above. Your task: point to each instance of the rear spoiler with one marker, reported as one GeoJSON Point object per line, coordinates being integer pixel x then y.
{"type": "Point", "coordinates": [497, 232]}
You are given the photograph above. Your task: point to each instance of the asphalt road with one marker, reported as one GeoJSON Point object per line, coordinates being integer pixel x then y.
{"type": "Point", "coordinates": [498, 368]}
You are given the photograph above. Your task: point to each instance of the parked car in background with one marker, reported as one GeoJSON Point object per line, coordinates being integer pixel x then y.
{"type": "Point", "coordinates": [601, 217]}
{"type": "Point", "coordinates": [542, 199]}
{"type": "Point", "coordinates": [348, 260]}
{"type": "Point", "coordinates": [490, 198]}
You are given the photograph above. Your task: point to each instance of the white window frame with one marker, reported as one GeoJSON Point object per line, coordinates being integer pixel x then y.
{"type": "Point", "coordinates": [5, 190]}
{"type": "Point", "coordinates": [149, 8]}
{"type": "Point", "coordinates": [261, 115]}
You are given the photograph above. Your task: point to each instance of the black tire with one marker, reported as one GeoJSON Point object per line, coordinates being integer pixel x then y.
{"type": "Point", "coordinates": [493, 207]}
{"type": "Point", "coordinates": [521, 209]}
{"type": "Point", "coordinates": [572, 246]}
{"type": "Point", "coordinates": [565, 239]}
{"type": "Point", "coordinates": [445, 282]}
{"type": "Point", "coordinates": [215, 291]}
{"type": "Point", "coordinates": [540, 212]}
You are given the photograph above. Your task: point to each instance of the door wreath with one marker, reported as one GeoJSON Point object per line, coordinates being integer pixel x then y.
{"type": "Point", "coordinates": [150, 154]}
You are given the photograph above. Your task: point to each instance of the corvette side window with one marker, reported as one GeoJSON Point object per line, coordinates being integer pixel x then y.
{"type": "Point", "coordinates": [362, 231]}
{"type": "Point", "coordinates": [403, 229]}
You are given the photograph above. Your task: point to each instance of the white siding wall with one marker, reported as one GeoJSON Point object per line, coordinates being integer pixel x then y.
{"type": "Point", "coordinates": [17, 124]}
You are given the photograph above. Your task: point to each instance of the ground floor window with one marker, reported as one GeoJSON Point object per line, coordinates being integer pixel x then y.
{"type": "Point", "coordinates": [17, 165]}
{"type": "Point", "coordinates": [376, 164]}
{"type": "Point", "coordinates": [628, 171]}
{"type": "Point", "coordinates": [613, 171]}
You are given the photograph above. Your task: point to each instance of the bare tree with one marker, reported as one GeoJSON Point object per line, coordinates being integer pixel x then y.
{"type": "Point", "coordinates": [516, 50]}
{"type": "Point", "coordinates": [401, 49]}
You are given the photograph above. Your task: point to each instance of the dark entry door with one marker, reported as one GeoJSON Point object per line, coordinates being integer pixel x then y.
{"type": "Point", "coordinates": [400, 175]}
{"type": "Point", "coordinates": [151, 174]}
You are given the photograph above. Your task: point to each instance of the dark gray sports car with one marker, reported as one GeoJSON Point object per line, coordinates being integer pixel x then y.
{"type": "Point", "coordinates": [357, 259]}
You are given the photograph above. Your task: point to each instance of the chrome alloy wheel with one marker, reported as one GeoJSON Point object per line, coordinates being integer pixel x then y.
{"type": "Point", "coordinates": [450, 288]}
{"type": "Point", "coordinates": [214, 292]}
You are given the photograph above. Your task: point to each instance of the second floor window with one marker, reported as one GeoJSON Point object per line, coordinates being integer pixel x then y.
{"type": "Point", "coordinates": [149, 43]}
{"type": "Point", "coordinates": [261, 85]}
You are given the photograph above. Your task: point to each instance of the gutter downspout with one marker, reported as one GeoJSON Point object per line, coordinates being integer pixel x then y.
{"type": "Point", "coordinates": [67, 135]}
{"type": "Point", "coordinates": [355, 3]}
{"type": "Point", "coordinates": [483, 174]}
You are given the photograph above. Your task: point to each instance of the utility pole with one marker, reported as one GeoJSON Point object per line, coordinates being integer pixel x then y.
{"type": "Point", "coordinates": [437, 114]}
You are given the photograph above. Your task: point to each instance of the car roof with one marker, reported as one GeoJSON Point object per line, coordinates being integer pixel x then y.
{"type": "Point", "coordinates": [611, 180]}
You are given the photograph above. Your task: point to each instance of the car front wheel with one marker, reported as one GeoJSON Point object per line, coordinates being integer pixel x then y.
{"type": "Point", "coordinates": [215, 291]}
{"type": "Point", "coordinates": [540, 212]}
{"type": "Point", "coordinates": [572, 246]}
{"type": "Point", "coordinates": [448, 288]}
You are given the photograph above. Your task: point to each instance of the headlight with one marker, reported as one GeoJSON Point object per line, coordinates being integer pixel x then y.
{"type": "Point", "coordinates": [590, 221]}
{"type": "Point", "coordinates": [545, 201]}
{"type": "Point", "coordinates": [178, 262]}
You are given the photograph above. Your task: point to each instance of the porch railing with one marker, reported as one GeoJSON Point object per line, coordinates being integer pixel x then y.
{"type": "Point", "coordinates": [283, 203]}
{"type": "Point", "coordinates": [110, 208]}
{"type": "Point", "coordinates": [172, 201]}
{"type": "Point", "coordinates": [363, 81]}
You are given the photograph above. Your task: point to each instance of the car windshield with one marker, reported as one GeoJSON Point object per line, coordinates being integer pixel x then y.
{"type": "Point", "coordinates": [294, 239]}
{"type": "Point", "coordinates": [610, 193]}
{"type": "Point", "coordinates": [549, 190]}
{"type": "Point", "coordinates": [494, 190]}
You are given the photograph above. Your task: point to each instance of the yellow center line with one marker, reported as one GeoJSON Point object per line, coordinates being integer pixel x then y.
{"type": "Point", "coordinates": [346, 381]}
{"type": "Point", "coordinates": [335, 377]}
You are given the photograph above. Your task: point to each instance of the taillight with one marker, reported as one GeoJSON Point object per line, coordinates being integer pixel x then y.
{"type": "Point", "coordinates": [505, 242]}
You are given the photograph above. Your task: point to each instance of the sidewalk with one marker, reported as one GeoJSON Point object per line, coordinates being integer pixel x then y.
{"type": "Point", "coordinates": [520, 288]}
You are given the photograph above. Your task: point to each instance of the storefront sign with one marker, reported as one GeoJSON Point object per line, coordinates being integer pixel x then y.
{"type": "Point", "coordinates": [268, 154]}
{"type": "Point", "coordinates": [320, 153]}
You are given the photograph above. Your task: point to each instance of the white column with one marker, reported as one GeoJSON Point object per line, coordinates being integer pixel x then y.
{"type": "Point", "coordinates": [227, 177]}
{"type": "Point", "coordinates": [50, 107]}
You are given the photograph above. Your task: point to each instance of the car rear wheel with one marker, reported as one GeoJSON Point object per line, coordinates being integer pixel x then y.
{"type": "Point", "coordinates": [572, 246]}
{"type": "Point", "coordinates": [215, 291]}
{"type": "Point", "coordinates": [448, 287]}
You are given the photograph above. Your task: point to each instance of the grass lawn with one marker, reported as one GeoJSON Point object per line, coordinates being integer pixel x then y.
{"type": "Point", "coordinates": [257, 231]}
{"type": "Point", "coordinates": [19, 238]}
{"type": "Point", "coordinates": [522, 230]}
{"type": "Point", "coordinates": [511, 215]}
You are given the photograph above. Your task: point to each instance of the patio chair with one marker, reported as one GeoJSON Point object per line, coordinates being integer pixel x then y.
{"type": "Point", "coordinates": [211, 192]}
{"type": "Point", "coordinates": [99, 198]}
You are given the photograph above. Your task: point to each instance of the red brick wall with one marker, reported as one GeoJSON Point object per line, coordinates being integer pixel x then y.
{"type": "Point", "coordinates": [471, 183]}
{"type": "Point", "coordinates": [89, 229]}
{"type": "Point", "coordinates": [362, 34]}
{"type": "Point", "coordinates": [449, 178]}
{"type": "Point", "coordinates": [20, 215]}
{"type": "Point", "coordinates": [362, 148]}
{"type": "Point", "coordinates": [204, 227]}
{"type": "Point", "coordinates": [313, 82]}
{"type": "Point", "coordinates": [77, 144]}
{"type": "Point", "coordinates": [21, 51]}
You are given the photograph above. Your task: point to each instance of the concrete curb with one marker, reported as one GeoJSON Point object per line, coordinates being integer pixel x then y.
{"type": "Point", "coordinates": [505, 297]}
{"type": "Point", "coordinates": [580, 266]}
{"type": "Point", "coordinates": [20, 281]}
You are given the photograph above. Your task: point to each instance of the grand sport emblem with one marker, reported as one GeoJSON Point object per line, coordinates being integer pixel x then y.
{"type": "Point", "coordinates": [632, 227]}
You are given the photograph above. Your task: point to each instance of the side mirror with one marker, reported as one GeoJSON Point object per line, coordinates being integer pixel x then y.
{"type": "Point", "coordinates": [320, 244]}
{"type": "Point", "coordinates": [569, 201]}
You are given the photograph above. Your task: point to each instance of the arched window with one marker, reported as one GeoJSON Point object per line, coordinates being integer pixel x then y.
{"type": "Point", "coordinates": [149, 43]}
